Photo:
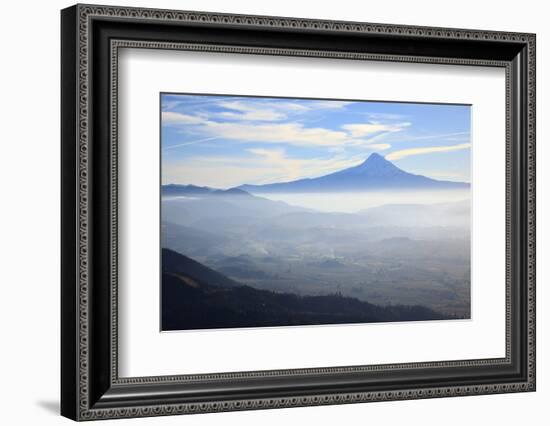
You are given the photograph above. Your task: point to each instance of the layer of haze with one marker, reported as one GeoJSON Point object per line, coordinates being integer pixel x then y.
{"type": "Point", "coordinates": [352, 202]}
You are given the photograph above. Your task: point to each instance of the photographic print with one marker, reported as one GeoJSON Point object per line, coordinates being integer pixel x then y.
{"type": "Point", "coordinates": [295, 212]}
{"type": "Point", "coordinates": [345, 190]}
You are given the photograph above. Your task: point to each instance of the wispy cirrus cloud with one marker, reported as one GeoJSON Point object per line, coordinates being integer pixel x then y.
{"type": "Point", "coordinates": [193, 142]}
{"type": "Point", "coordinates": [440, 136]}
{"type": "Point", "coordinates": [328, 104]}
{"type": "Point", "coordinates": [276, 121]}
{"type": "Point", "coordinates": [385, 116]}
{"type": "Point", "coordinates": [397, 155]}
{"type": "Point", "coordinates": [288, 132]}
{"type": "Point", "coordinates": [246, 111]}
{"type": "Point", "coordinates": [257, 115]}
{"type": "Point", "coordinates": [178, 118]}
{"type": "Point", "coordinates": [253, 108]}
{"type": "Point", "coordinates": [379, 146]}
{"type": "Point", "coordinates": [368, 129]}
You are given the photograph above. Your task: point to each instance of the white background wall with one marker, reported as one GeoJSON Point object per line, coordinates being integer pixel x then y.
{"type": "Point", "coordinates": [29, 212]}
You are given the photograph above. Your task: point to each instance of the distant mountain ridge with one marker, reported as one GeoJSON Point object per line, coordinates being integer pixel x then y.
{"type": "Point", "coordinates": [175, 190]}
{"type": "Point", "coordinates": [375, 173]}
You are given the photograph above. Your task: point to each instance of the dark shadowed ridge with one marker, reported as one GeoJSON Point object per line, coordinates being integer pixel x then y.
{"type": "Point", "coordinates": [175, 263]}
{"type": "Point", "coordinates": [375, 173]}
{"type": "Point", "coordinates": [197, 297]}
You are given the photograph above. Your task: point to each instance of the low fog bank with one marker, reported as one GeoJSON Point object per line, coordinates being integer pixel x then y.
{"type": "Point", "coordinates": [352, 202]}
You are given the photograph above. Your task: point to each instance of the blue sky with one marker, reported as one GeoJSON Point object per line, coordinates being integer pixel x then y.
{"type": "Point", "coordinates": [226, 141]}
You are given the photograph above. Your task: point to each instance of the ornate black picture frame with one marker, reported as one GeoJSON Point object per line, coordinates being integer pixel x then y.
{"type": "Point", "coordinates": [91, 37]}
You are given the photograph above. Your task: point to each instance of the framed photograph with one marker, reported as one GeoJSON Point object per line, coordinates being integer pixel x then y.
{"type": "Point", "coordinates": [263, 212]}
